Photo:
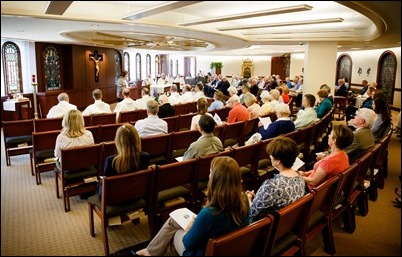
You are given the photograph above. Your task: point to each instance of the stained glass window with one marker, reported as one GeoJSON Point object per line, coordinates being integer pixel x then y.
{"type": "Point", "coordinates": [12, 68]}
{"type": "Point", "coordinates": [138, 68]}
{"type": "Point", "coordinates": [51, 57]}
{"type": "Point", "coordinates": [127, 63]}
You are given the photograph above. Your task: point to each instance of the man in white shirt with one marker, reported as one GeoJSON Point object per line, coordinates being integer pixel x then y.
{"type": "Point", "coordinates": [174, 97]}
{"type": "Point", "coordinates": [187, 96]}
{"type": "Point", "coordinates": [98, 106]}
{"type": "Point", "coordinates": [126, 105]}
{"type": "Point", "coordinates": [152, 125]}
{"type": "Point", "coordinates": [62, 107]}
{"type": "Point", "coordinates": [145, 97]}
{"type": "Point", "coordinates": [308, 115]}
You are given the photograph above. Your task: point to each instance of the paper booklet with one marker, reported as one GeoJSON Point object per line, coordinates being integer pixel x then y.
{"type": "Point", "coordinates": [297, 164]}
{"type": "Point", "coordinates": [265, 121]}
{"type": "Point", "coordinates": [217, 119]}
{"type": "Point", "coordinates": [182, 216]}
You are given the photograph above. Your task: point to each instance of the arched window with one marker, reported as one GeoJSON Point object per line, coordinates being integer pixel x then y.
{"type": "Point", "coordinates": [157, 69]}
{"type": "Point", "coordinates": [386, 74]}
{"type": "Point", "coordinates": [52, 68]}
{"type": "Point", "coordinates": [171, 68]}
{"type": "Point", "coordinates": [138, 68]}
{"type": "Point", "coordinates": [148, 65]}
{"type": "Point", "coordinates": [344, 68]}
{"type": "Point", "coordinates": [117, 65]}
{"type": "Point", "coordinates": [177, 68]}
{"type": "Point", "coordinates": [126, 57]}
{"type": "Point", "coordinates": [12, 68]}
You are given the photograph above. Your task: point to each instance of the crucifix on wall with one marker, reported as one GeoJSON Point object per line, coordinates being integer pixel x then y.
{"type": "Point", "coordinates": [96, 58]}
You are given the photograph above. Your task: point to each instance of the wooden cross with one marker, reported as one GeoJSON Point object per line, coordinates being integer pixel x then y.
{"type": "Point", "coordinates": [96, 58]}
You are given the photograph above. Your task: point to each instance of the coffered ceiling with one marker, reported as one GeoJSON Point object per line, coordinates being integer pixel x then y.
{"type": "Point", "coordinates": [210, 27]}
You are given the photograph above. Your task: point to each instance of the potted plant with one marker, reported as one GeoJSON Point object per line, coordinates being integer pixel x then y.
{"type": "Point", "coordinates": [217, 66]}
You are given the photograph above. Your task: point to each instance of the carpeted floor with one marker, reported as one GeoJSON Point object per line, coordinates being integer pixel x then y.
{"type": "Point", "coordinates": [33, 221]}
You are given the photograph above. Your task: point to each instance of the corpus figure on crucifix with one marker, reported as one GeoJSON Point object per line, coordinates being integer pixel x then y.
{"type": "Point", "coordinates": [96, 58]}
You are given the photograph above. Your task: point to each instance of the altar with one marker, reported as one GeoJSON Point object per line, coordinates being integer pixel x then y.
{"type": "Point", "coordinates": [16, 105]}
{"type": "Point", "coordinates": [160, 89]}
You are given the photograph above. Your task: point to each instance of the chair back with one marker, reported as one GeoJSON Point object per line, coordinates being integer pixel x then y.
{"type": "Point", "coordinates": [43, 150]}
{"type": "Point", "coordinates": [108, 131]}
{"type": "Point", "coordinates": [250, 127]}
{"type": "Point", "coordinates": [48, 124]}
{"type": "Point", "coordinates": [232, 133]}
{"type": "Point", "coordinates": [245, 157]}
{"type": "Point", "coordinates": [103, 118]}
{"type": "Point", "coordinates": [96, 133]}
{"type": "Point", "coordinates": [129, 116]}
{"type": "Point", "coordinates": [250, 240]}
{"type": "Point", "coordinates": [172, 123]}
{"type": "Point", "coordinates": [180, 141]}
{"type": "Point", "coordinates": [340, 104]}
{"type": "Point", "coordinates": [290, 226]}
{"type": "Point", "coordinates": [223, 112]}
{"type": "Point", "coordinates": [180, 109]}
{"type": "Point", "coordinates": [158, 147]}
{"type": "Point", "coordinates": [184, 122]}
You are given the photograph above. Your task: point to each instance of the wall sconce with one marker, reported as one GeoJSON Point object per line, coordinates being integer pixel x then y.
{"type": "Point", "coordinates": [359, 71]}
{"type": "Point", "coordinates": [368, 71]}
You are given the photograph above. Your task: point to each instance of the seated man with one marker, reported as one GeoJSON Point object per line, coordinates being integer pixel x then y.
{"type": "Point", "coordinates": [307, 115]}
{"type": "Point", "coordinates": [238, 111]}
{"type": "Point", "coordinates": [145, 97]}
{"type": "Point", "coordinates": [363, 137]}
{"type": "Point", "coordinates": [126, 105]}
{"type": "Point", "coordinates": [207, 143]}
{"type": "Point", "coordinates": [174, 97]}
{"type": "Point", "coordinates": [165, 108]}
{"type": "Point", "coordinates": [152, 125]}
{"type": "Point", "coordinates": [62, 107]}
{"type": "Point", "coordinates": [98, 106]}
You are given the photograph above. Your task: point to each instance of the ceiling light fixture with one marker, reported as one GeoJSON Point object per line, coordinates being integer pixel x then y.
{"type": "Point", "coordinates": [292, 23]}
{"type": "Point", "coordinates": [165, 7]}
{"type": "Point", "coordinates": [288, 9]}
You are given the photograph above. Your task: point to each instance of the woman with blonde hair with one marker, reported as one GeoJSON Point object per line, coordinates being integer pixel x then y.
{"type": "Point", "coordinates": [252, 107]}
{"type": "Point", "coordinates": [202, 107]}
{"type": "Point", "coordinates": [72, 134]}
{"type": "Point", "coordinates": [226, 210]}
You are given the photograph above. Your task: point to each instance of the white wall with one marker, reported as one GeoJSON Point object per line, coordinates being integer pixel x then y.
{"type": "Point", "coordinates": [296, 65]}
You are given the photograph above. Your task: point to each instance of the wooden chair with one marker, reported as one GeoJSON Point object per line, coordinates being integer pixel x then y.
{"type": "Point", "coordinates": [96, 133]}
{"type": "Point", "coordinates": [121, 194]}
{"type": "Point", "coordinates": [107, 132]}
{"type": "Point", "coordinates": [48, 124]}
{"type": "Point", "coordinates": [290, 224]}
{"type": "Point", "coordinates": [192, 107]}
{"type": "Point", "coordinates": [78, 164]}
{"type": "Point", "coordinates": [232, 133]}
{"type": "Point", "coordinates": [264, 168]}
{"type": "Point", "coordinates": [87, 120]}
{"type": "Point", "coordinates": [158, 148]}
{"type": "Point", "coordinates": [250, 127]}
{"type": "Point", "coordinates": [43, 152]}
{"type": "Point", "coordinates": [321, 217]}
{"type": "Point", "coordinates": [184, 122]}
{"type": "Point", "coordinates": [204, 166]}
{"type": "Point", "coordinates": [17, 138]}
{"type": "Point", "coordinates": [378, 167]}
{"type": "Point", "coordinates": [218, 130]}
{"type": "Point", "coordinates": [223, 112]}
{"type": "Point", "coordinates": [245, 156]}
{"type": "Point", "coordinates": [104, 118]}
{"type": "Point", "coordinates": [180, 109]}
{"type": "Point", "coordinates": [172, 123]}
{"type": "Point", "coordinates": [174, 188]}
{"type": "Point", "coordinates": [129, 116]}
{"type": "Point", "coordinates": [180, 141]}
{"type": "Point", "coordinates": [108, 149]}
{"type": "Point", "coordinates": [340, 104]}
{"type": "Point", "coordinates": [250, 240]}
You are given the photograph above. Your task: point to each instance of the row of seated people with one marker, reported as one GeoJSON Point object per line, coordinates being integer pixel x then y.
{"type": "Point", "coordinates": [283, 152]}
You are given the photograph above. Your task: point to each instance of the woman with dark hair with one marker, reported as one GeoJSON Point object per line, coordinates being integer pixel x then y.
{"type": "Point", "coordinates": [383, 121]}
{"type": "Point", "coordinates": [226, 210]}
{"type": "Point", "coordinates": [334, 163]}
{"type": "Point", "coordinates": [285, 187]}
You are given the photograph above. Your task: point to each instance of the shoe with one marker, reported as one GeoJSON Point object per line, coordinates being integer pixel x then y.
{"type": "Point", "coordinates": [133, 253]}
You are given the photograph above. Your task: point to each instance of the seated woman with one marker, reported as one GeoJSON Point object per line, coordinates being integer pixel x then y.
{"type": "Point", "coordinates": [252, 107]}
{"type": "Point", "coordinates": [202, 107]}
{"type": "Point", "coordinates": [218, 101]}
{"type": "Point", "coordinates": [226, 210]}
{"type": "Point", "coordinates": [334, 163]}
{"type": "Point", "coordinates": [282, 125]}
{"type": "Point", "coordinates": [73, 134]}
{"type": "Point", "coordinates": [270, 100]}
{"type": "Point", "coordinates": [324, 104]}
{"type": "Point", "coordinates": [285, 187]}
{"type": "Point", "coordinates": [382, 124]}
{"type": "Point", "coordinates": [129, 156]}
{"type": "Point", "coordinates": [350, 111]}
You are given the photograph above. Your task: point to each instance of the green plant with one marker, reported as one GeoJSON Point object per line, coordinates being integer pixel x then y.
{"type": "Point", "coordinates": [216, 65]}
